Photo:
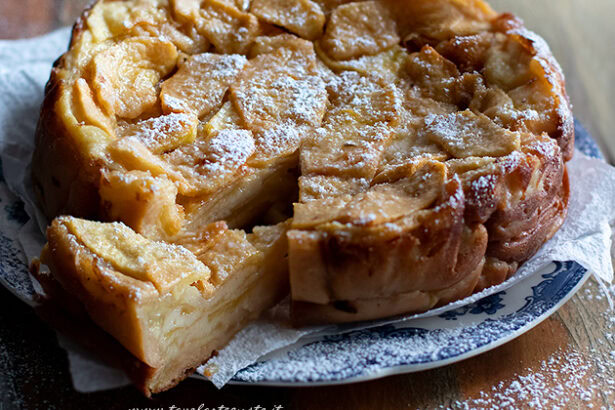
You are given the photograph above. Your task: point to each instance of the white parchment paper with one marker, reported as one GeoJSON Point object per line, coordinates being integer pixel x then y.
{"type": "Point", "coordinates": [24, 69]}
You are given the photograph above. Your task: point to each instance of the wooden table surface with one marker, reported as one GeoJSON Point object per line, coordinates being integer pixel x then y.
{"type": "Point", "coordinates": [568, 360]}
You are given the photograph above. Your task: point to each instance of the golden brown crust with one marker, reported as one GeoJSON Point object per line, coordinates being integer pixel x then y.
{"type": "Point", "coordinates": [564, 132]}
{"type": "Point", "coordinates": [416, 258]}
{"type": "Point", "coordinates": [60, 186]}
{"type": "Point", "coordinates": [60, 183]}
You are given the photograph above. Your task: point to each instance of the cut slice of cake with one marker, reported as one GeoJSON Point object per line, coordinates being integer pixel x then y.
{"type": "Point", "coordinates": [169, 307]}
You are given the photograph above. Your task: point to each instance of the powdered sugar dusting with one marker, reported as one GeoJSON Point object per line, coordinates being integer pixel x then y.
{"type": "Point", "coordinates": [221, 67]}
{"type": "Point", "coordinates": [201, 82]}
{"type": "Point", "coordinates": [272, 97]}
{"type": "Point", "coordinates": [464, 134]}
{"type": "Point", "coordinates": [156, 133]}
{"type": "Point", "coordinates": [567, 378]}
{"type": "Point", "coordinates": [280, 139]}
{"type": "Point", "coordinates": [206, 164]}
{"type": "Point", "coordinates": [359, 28]}
{"type": "Point", "coordinates": [559, 381]}
{"type": "Point", "coordinates": [228, 149]}
{"type": "Point", "coordinates": [372, 99]}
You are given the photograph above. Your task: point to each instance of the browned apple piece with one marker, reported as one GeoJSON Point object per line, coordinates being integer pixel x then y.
{"type": "Point", "coordinates": [187, 40]}
{"type": "Point", "coordinates": [354, 132]}
{"type": "Point", "coordinates": [507, 64]}
{"type": "Point", "coordinates": [387, 64]}
{"type": "Point", "coordinates": [434, 74]}
{"type": "Point", "coordinates": [278, 96]}
{"type": "Point", "coordinates": [311, 214]}
{"type": "Point", "coordinates": [497, 105]}
{"type": "Point", "coordinates": [368, 100]}
{"type": "Point", "coordinates": [441, 19]}
{"type": "Point", "coordinates": [226, 118]}
{"type": "Point", "coordinates": [185, 11]}
{"type": "Point", "coordinates": [143, 202]}
{"type": "Point", "coordinates": [302, 17]}
{"type": "Point", "coordinates": [344, 150]}
{"type": "Point", "coordinates": [110, 19]}
{"type": "Point", "coordinates": [131, 254]}
{"type": "Point", "coordinates": [200, 83]}
{"type": "Point", "coordinates": [465, 134]}
{"type": "Point", "coordinates": [469, 53]}
{"type": "Point", "coordinates": [277, 143]}
{"type": "Point", "coordinates": [88, 111]}
{"type": "Point", "coordinates": [358, 29]}
{"type": "Point", "coordinates": [269, 44]}
{"type": "Point", "coordinates": [326, 186]}
{"type": "Point", "coordinates": [229, 29]}
{"type": "Point", "coordinates": [382, 203]}
{"type": "Point", "coordinates": [163, 133]}
{"type": "Point", "coordinates": [131, 154]}
{"type": "Point", "coordinates": [419, 106]}
{"type": "Point", "coordinates": [392, 169]}
{"type": "Point", "coordinates": [124, 76]}
{"type": "Point", "coordinates": [539, 102]}
{"type": "Point", "coordinates": [407, 146]}
{"type": "Point", "coordinates": [208, 164]}
{"type": "Point", "coordinates": [280, 87]}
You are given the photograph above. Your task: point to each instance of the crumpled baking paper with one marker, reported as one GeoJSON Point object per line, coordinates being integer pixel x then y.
{"type": "Point", "coordinates": [24, 69]}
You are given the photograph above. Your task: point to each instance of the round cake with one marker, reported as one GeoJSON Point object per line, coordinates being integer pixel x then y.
{"type": "Point", "coordinates": [405, 153]}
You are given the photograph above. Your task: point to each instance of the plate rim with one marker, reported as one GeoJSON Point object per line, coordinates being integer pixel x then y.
{"type": "Point", "coordinates": [382, 372]}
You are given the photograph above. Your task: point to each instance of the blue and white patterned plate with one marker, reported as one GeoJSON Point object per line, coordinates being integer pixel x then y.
{"type": "Point", "coordinates": [422, 343]}
{"type": "Point", "coordinates": [376, 352]}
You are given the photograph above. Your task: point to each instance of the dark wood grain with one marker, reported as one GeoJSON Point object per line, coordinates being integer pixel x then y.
{"type": "Point", "coordinates": [34, 372]}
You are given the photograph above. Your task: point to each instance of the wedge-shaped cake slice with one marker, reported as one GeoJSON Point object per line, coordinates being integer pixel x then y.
{"type": "Point", "coordinates": [169, 307]}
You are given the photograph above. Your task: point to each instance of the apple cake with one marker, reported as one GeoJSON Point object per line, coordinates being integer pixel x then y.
{"type": "Point", "coordinates": [203, 157]}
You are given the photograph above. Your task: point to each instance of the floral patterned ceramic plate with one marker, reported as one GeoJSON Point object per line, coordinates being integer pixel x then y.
{"type": "Point", "coordinates": [376, 352]}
